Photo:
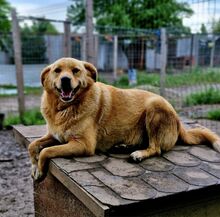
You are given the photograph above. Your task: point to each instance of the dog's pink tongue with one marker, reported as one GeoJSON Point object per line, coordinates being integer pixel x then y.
{"type": "Point", "coordinates": [66, 94]}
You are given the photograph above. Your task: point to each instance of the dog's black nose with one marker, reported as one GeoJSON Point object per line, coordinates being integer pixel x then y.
{"type": "Point", "coordinates": [65, 83]}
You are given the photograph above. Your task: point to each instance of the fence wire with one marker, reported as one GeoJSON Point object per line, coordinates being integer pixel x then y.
{"type": "Point", "coordinates": [192, 81]}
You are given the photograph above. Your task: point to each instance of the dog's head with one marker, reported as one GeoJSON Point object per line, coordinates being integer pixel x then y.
{"type": "Point", "coordinates": [67, 77]}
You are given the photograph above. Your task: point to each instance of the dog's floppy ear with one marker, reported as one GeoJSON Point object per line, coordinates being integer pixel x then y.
{"type": "Point", "coordinates": [92, 72]}
{"type": "Point", "coordinates": [44, 74]}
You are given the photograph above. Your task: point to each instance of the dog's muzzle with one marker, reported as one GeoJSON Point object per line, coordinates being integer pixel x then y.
{"type": "Point", "coordinates": [66, 91]}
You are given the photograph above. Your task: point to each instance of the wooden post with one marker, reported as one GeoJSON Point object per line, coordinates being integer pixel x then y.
{"type": "Point", "coordinates": [212, 51]}
{"type": "Point", "coordinates": [96, 49]}
{"type": "Point", "coordinates": [115, 57]}
{"type": "Point", "coordinates": [18, 62]}
{"type": "Point", "coordinates": [89, 32]}
{"type": "Point", "coordinates": [191, 52]}
{"type": "Point", "coordinates": [83, 47]}
{"type": "Point", "coordinates": [67, 39]}
{"type": "Point", "coordinates": [163, 60]}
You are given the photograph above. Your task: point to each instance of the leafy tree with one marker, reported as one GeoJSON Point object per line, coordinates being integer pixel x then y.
{"type": "Point", "coordinates": [139, 14]}
{"type": "Point", "coordinates": [43, 27]}
{"type": "Point", "coordinates": [216, 26]}
{"type": "Point", "coordinates": [133, 13]}
{"type": "Point", "coordinates": [203, 29]}
{"type": "Point", "coordinates": [33, 42]}
{"type": "Point", "coordinates": [5, 24]}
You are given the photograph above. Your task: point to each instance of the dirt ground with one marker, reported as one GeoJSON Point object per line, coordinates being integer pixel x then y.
{"type": "Point", "coordinates": [16, 191]}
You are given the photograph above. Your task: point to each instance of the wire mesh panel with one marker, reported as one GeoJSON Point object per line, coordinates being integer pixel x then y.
{"type": "Point", "coordinates": [128, 51]}
{"type": "Point", "coordinates": [41, 44]}
{"type": "Point", "coordinates": [192, 81]}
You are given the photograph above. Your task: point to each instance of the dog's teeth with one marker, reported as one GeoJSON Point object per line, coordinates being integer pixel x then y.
{"type": "Point", "coordinates": [70, 94]}
{"type": "Point", "coordinates": [66, 95]}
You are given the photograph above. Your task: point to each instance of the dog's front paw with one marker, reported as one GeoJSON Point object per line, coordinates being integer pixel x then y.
{"type": "Point", "coordinates": [136, 156]}
{"type": "Point", "coordinates": [34, 152]}
{"type": "Point", "coordinates": [36, 174]}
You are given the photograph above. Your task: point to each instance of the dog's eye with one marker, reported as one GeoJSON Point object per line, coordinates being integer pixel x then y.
{"type": "Point", "coordinates": [57, 70]}
{"type": "Point", "coordinates": [75, 70]}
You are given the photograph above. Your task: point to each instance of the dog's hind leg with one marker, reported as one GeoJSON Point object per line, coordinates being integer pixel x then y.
{"type": "Point", "coordinates": [152, 150]}
{"type": "Point", "coordinates": [162, 127]}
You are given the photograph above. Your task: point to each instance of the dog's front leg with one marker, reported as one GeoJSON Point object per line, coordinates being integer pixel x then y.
{"type": "Point", "coordinates": [75, 147]}
{"type": "Point", "coordinates": [36, 146]}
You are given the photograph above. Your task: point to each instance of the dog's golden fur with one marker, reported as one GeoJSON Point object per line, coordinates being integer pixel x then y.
{"type": "Point", "coordinates": [90, 115]}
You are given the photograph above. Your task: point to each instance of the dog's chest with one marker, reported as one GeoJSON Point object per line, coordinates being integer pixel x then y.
{"type": "Point", "coordinates": [58, 137]}
{"type": "Point", "coordinates": [63, 134]}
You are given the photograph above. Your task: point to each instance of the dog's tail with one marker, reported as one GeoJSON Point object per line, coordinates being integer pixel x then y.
{"type": "Point", "coordinates": [199, 136]}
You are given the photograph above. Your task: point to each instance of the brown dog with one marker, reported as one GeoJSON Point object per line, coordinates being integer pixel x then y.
{"type": "Point", "coordinates": [84, 115]}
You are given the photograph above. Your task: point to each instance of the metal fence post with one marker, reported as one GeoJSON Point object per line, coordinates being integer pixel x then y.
{"type": "Point", "coordinates": [18, 62]}
{"type": "Point", "coordinates": [89, 32]}
{"type": "Point", "coordinates": [163, 60]}
{"type": "Point", "coordinates": [67, 39]}
{"type": "Point", "coordinates": [115, 57]}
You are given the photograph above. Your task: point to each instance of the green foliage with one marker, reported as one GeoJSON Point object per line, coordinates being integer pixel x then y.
{"type": "Point", "coordinates": [148, 78]}
{"type": "Point", "coordinates": [197, 76]}
{"type": "Point", "coordinates": [33, 48]}
{"type": "Point", "coordinates": [33, 43]}
{"type": "Point", "coordinates": [122, 81]}
{"type": "Point", "coordinates": [216, 26]}
{"type": "Point", "coordinates": [203, 29]}
{"type": "Point", "coordinates": [101, 79]}
{"type": "Point", "coordinates": [211, 96]}
{"type": "Point", "coordinates": [31, 117]}
{"type": "Point", "coordinates": [214, 115]}
{"type": "Point", "coordinates": [43, 27]}
{"type": "Point", "coordinates": [142, 78]}
{"type": "Point", "coordinates": [5, 24]}
{"type": "Point", "coordinates": [133, 13]}
{"type": "Point", "coordinates": [33, 90]}
{"type": "Point", "coordinates": [27, 90]}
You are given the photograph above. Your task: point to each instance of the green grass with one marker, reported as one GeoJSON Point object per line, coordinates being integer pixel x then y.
{"type": "Point", "coordinates": [30, 117]}
{"type": "Point", "coordinates": [214, 115]}
{"type": "Point", "coordinates": [27, 90]}
{"type": "Point", "coordinates": [142, 78]}
{"type": "Point", "coordinates": [210, 96]}
{"type": "Point", "coordinates": [197, 76]}
{"type": "Point", "coordinates": [101, 79]}
{"type": "Point", "coordinates": [33, 90]}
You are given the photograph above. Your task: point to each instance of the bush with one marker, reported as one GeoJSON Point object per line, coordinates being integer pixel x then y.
{"type": "Point", "coordinates": [214, 115]}
{"type": "Point", "coordinates": [210, 96]}
{"type": "Point", "coordinates": [30, 117]}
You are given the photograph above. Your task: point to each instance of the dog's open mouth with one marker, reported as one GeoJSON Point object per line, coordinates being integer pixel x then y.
{"type": "Point", "coordinates": [67, 95]}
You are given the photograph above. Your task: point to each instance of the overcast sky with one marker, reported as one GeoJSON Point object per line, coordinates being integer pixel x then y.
{"type": "Point", "coordinates": [54, 9]}
{"type": "Point", "coordinates": [205, 11]}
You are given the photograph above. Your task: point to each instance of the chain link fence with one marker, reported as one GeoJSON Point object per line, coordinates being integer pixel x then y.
{"type": "Point", "coordinates": [191, 79]}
